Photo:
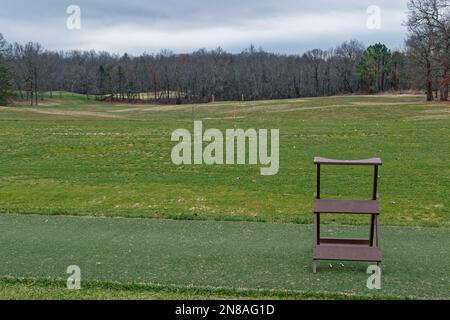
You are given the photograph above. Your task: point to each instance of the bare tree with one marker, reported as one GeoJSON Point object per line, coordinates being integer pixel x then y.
{"type": "Point", "coordinates": [429, 40]}
{"type": "Point", "coordinates": [348, 55]}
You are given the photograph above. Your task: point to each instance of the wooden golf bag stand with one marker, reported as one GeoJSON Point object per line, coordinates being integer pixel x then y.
{"type": "Point", "coordinates": [347, 249]}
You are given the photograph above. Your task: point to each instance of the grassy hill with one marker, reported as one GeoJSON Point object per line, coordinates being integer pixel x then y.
{"type": "Point", "coordinates": [75, 156]}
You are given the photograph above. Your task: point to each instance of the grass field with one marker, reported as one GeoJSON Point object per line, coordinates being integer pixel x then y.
{"type": "Point", "coordinates": [75, 157]}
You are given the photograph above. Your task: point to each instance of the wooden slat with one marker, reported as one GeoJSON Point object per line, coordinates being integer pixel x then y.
{"type": "Point", "coordinates": [346, 206]}
{"type": "Point", "coordinates": [363, 242]}
{"type": "Point", "coordinates": [348, 252]}
{"type": "Point", "coordinates": [367, 162]}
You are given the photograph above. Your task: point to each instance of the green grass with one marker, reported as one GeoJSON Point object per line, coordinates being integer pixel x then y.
{"type": "Point", "coordinates": [228, 255]}
{"type": "Point", "coordinates": [75, 156]}
{"type": "Point", "coordinates": [44, 289]}
{"type": "Point", "coordinates": [71, 164]}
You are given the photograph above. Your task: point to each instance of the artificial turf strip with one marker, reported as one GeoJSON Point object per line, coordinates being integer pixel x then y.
{"type": "Point", "coordinates": [235, 255]}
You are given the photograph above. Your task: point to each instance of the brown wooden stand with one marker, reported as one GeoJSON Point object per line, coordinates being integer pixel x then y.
{"type": "Point", "coordinates": [347, 249]}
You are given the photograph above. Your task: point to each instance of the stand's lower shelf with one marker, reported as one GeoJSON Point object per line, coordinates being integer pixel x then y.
{"type": "Point", "coordinates": [346, 249]}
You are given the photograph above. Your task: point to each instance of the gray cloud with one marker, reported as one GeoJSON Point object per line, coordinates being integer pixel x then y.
{"type": "Point", "coordinates": [134, 26]}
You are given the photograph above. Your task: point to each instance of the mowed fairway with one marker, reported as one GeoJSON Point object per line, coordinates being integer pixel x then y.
{"type": "Point", "coordinates": [73, 156]}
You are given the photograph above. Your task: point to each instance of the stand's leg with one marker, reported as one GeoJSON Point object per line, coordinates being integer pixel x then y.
{"type": "Point", "coordinates": [380, 266]}
{"type": "Point", "coordinates": [315, 240]}
{"type": "Point", "coordinates": [372, 226]}
{"type": "Point", "coordinates": [318, 228]}
{"type": "Point", "coordinates": [377, 225]}
{"type": "Point", "coordinates": [378, 239]}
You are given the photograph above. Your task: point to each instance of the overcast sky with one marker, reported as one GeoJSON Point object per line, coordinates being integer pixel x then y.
{"type": "Point", "coordinates": [283, 26]}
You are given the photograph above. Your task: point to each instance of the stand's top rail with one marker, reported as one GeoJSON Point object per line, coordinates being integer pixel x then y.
{"type": "Point", "coordinates": [367, 162]}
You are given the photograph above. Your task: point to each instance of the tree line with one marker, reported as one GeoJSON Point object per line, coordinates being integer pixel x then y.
{"type": "Point", "coordinates": [205, 76]}
{"type": "Point", "coordinates": [29, 70]}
